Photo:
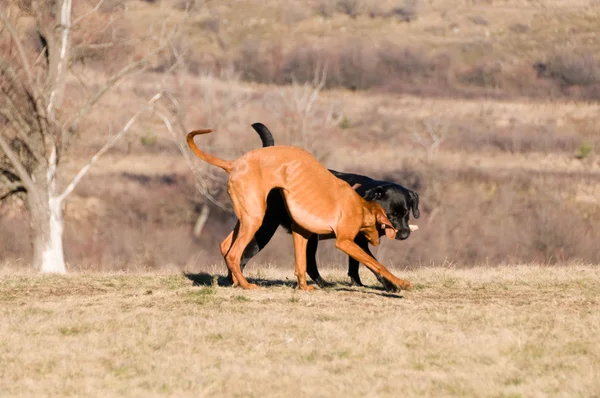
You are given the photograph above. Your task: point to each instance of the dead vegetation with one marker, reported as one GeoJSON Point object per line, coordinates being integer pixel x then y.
{"type": "Point", "coordinates": [507, 171]}
{"type": "Point", "coordinates": [503, 331]}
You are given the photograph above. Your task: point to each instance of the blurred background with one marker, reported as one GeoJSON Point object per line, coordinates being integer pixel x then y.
{"type": "Point", "coordinates": [487, 108]}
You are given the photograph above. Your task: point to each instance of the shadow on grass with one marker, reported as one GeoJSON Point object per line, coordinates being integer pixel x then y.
{"type": "Point", "coordinates": [206, 279]}
{"type": "Point", "coordinates": [368, 290]}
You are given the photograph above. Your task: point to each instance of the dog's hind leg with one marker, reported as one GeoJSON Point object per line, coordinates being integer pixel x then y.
{"type": "Point", "coordinates": [247, 229]}
{"type": "Point", "coordinates": [348, 246]}
{"type": "Point", "coordinates": [300, 242]}
{"type": "Point", "coordinates": [275, 215]}
{"type": "Point", "coordinates": [225, 246]}
{"type": "Point", "coordinates": [258, 242]}
{"type": "Point", "coordinates": [250, 209]}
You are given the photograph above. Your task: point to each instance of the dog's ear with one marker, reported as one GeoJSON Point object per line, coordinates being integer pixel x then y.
{"type": "Point", "coordinates": [385, 223]}
{"type": "Point", "coordinates": [414, 203]}
{"type": "Point", "coordinates": [374, 193]}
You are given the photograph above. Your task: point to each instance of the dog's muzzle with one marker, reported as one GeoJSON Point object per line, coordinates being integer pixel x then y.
{"type": "Point", "coordinates": [405, 232]}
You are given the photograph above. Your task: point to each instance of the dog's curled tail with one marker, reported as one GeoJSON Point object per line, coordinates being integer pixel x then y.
{"type": "Point", "coordinates": [224, 164]}
{"type": "Point", "coordinates": [265, 134]}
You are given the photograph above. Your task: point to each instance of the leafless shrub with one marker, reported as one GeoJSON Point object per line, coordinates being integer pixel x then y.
{"type": "Point", "coordinates": [222, 98]}
{"type": "Point", "coordinates": [259, 63]}
{"type": "Point", "coordinates": [405, 62]}
{"type": "Point", "coordinates": [478, 20]}
{"type": "Point", "coordinates": [112, 6]}
{"type": "Point", "coordinates": [352, 8]}
{"type": "Point", "coordinates": [358, 67]}
{"type": "Point", "coordinates": [326, 8]}
{"type": "Point", "coordinates": [301, 62]}
{"type": "Point", "coordinates": [519, 28]}
{"type": "Point", "coordinates": [573, 67]}
{"type": "Point", "coordinates": [294, 13]}
{"type": "Point", "coordinates": [430, 135]}
{"type": "Point", "coordinates": [485, 74]}
{"type": "Point", "coordinates": [211, 23]}
{"type": "Point", "coordinates": [376, 11]}
{"type": "Point", "coordinates": [357, 64]}
{"type": "Point", "coordinates": [406, 11]}
{"type": "Point", "coordinates": [513, 138]}
{"type": "Point", "coordinates": [360, 64]}
{"type": "Point", "coordinates": [475, 216]}
{"type": "Point", "coordinates": [303, 117]}
{"type": "Point", "coordinates": [190, 5]}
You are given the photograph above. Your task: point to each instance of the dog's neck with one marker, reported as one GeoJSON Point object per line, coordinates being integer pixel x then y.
{"type": "Point", "coordinates": [369, 224]}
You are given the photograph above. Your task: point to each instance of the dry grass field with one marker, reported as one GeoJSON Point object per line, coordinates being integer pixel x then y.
{"type": "Point", "coordinates": [506, 331]}
{"type": "Point", "coordinates": [487, 108]}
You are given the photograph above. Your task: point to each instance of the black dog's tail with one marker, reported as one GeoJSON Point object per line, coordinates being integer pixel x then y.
{"type": "Point", "coordinates": [265, 135]}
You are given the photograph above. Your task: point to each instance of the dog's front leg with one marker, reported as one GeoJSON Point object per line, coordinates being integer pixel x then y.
{"type": "Point", "coordinates": [300, 241]}
{"type": "Point", "coordinates": [353, 265]}
{"type": "Point", "coordinates": [311, 262]}
{"type": "Point", "coordinates": [348, 246]}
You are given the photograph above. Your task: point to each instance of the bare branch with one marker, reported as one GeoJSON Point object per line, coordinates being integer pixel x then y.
{"type": "Point", "coordinates": [14, 159]}
{"type": "Point", "coordinates": [35, 98]}
{"type": "Point", "coordinates": [87, 14]}
{"type": "Point", "coordinates": [65, 24]}
{"type": "Point", "coordinates": [22, 54]}
{"type": "Point", "coordinates": [22, 128]}
{"type": "Point", "coordinates": [186, 154]}
{"type": "Point", "coordinates": [12, 188]}
{"type": "Point", "coordinates": [8, 175]}
{"type": "Point", "coordinates": [435, 136]}
{"type": "Point", "coordinates": [106, 147]}
{"type": "Point", "coordinates": [110, 82]}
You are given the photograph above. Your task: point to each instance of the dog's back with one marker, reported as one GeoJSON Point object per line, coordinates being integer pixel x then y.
{"type": "Point", "coordinates": [311, 192]}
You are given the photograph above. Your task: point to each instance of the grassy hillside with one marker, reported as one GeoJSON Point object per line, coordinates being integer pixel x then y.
{"type": "Point", "coordinates": [515, 177]}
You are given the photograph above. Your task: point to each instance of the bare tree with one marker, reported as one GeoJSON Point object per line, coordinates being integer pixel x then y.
{"type": "Point", "coordinates": [298, 106]}
{"type": "Point", "coordinates": [34, 133]}
{"type": "Point", "coordinates": [430, 136]}
{"type": "Point", "coordinates": [222, 101]}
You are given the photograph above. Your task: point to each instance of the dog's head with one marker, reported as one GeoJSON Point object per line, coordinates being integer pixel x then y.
{"type": "Point", "coordinates": [397, 202]}
{"type": "Point", "coordinates": [377, 224]}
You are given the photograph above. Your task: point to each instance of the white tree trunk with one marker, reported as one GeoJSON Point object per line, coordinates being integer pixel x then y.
{"type": "Point", "coordinates": [46, 218]}
{"type": "Point", "coordinates": [53, 258]}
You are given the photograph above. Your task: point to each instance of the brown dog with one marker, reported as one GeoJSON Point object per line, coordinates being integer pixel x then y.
{"type": "Point", "coordinates": [331, 207]}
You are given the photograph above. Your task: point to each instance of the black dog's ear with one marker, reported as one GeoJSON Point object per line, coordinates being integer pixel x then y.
{"type": "Point", "coordinates": [374, 193]}
{"type": "Point", "coordinates": [414, 203]}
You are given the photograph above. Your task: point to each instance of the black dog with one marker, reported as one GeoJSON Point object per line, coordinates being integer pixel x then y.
{"type": "Point", "coordinates": [396, 200]}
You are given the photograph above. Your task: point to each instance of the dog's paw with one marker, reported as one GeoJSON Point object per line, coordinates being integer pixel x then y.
{"type": "Point", "coordinates": [356, 282]}
{"type": "Point", "coordinates": [323, 283]}
{"type": "Point", "coordinates": [251, 286]}
{"type": "Point", "coordinates": [390, 287]}
{"type": "Point", "coordinates": [306, 288]}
